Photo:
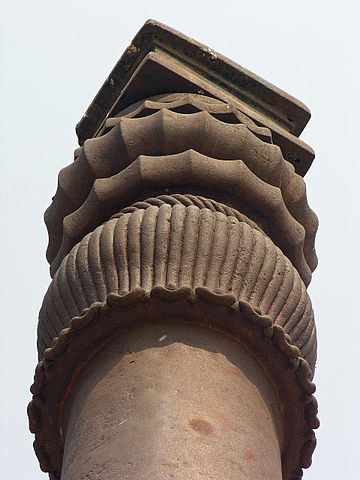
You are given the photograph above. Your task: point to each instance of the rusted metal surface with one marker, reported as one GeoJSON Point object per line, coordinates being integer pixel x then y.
{"type": "Point", "coordinates": [162, 60]}
{"type": "Point", "coordinates": [57, 374]}
{"type": "Point", "coordinates": [129, 159]}
{"type": "Point", "coordinates": [177, 338]}
{"type": "Point", "coordinates": [148, 408]}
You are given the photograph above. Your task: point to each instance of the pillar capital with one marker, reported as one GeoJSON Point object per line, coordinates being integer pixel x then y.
{"type": "Point", "coordinates": [162, 60]}
{"type": "Point", "coordinates": [184, 211]}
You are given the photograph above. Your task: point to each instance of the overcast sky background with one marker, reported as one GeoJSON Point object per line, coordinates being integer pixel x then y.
{"type": "Point", "coordinates": [54, 56]}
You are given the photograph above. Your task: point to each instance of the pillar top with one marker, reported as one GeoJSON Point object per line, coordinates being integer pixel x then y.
{"type": "Point", "coordinates": [182, 207]}
{"type": "Point", "coordinates": [162, 60]}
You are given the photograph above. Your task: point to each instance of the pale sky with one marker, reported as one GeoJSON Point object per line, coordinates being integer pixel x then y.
{"type": "Point", "coordinates": [54, 56]}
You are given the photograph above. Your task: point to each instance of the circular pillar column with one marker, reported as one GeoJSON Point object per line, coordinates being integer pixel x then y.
{"type": "Point", "coordinates": [172, 401]}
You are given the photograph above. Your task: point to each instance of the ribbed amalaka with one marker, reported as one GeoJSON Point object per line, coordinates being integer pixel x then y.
{"type": "Point", "coordinates": [177, 338]}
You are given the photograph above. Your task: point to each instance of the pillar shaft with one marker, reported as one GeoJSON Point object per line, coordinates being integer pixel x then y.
{"type": "Point", "coordinates": [172, 401]}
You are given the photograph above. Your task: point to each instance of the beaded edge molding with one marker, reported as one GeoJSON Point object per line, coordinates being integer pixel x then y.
{"type": "Point", "coordinates": [48, 442]}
